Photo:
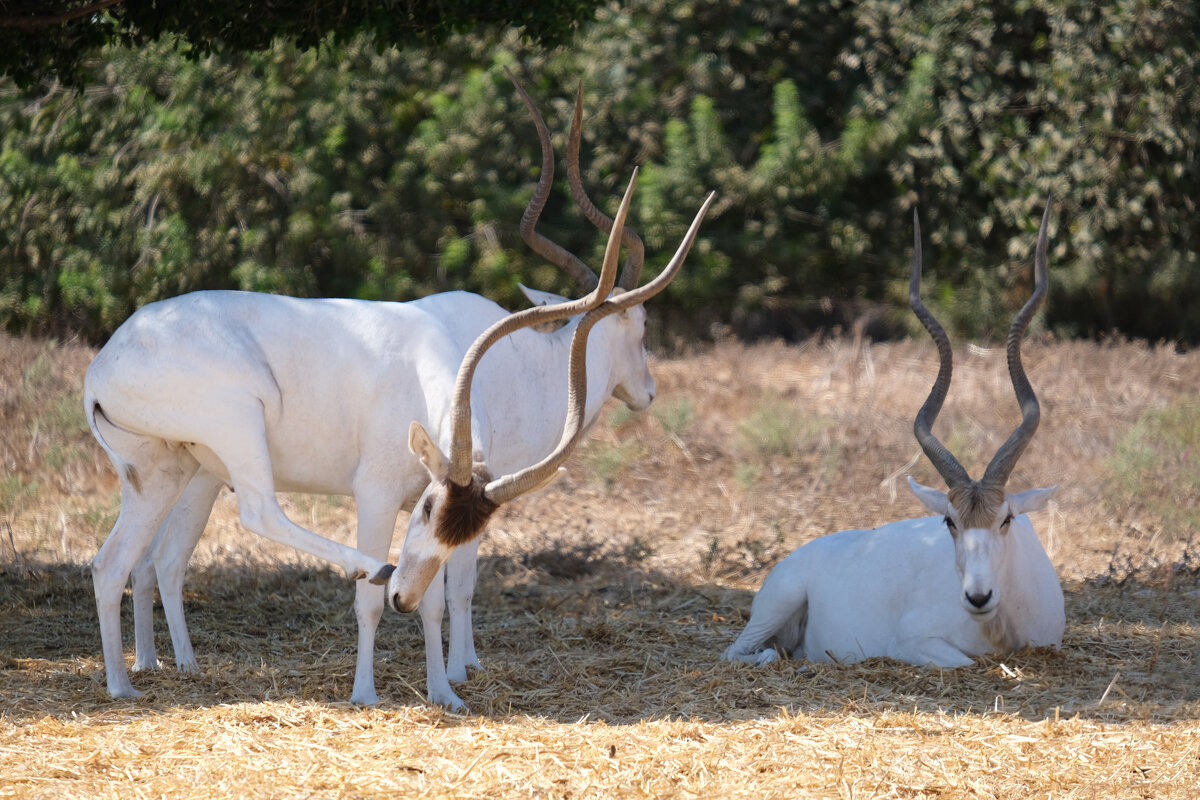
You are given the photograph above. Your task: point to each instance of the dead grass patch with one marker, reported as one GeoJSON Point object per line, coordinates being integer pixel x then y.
{"type": "Point", "coordinates": [600, 622]}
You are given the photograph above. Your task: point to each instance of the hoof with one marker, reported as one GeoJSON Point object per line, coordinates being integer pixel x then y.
{"type": "Point", "coordinates": [453, 705]}
{"type": "Point", "coordinates": [766, 657]}
{"type": "Point", "coordinates": [187, 668]}
{"type": "Point", "coordinates": [384, 573]}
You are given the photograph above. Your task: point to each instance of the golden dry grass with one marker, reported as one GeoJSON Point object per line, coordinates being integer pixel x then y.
{"type": "Point", "coordinates": [604, 603]}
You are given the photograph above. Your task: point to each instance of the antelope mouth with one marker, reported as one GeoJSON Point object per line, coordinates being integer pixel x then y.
{"type": "Point", "coordinates": [409, 581]}
{"type": "Point", "coordinates": [632, 402]}
{"type": "Point", "coordinates": [982, 614]}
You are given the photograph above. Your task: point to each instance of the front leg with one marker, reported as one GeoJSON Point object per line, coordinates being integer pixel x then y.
{"type": "Point", "coordinates": [245, 445]}
{"type": "Point", "coordinates": [431, 609]}
{"type": "Point", "coordinates": [928, 650]}
{"type": "Point", "coordinates": [376, 522]}
{"type": "Point", "coordinates": [461, 574]}
{"type": "Point", "coordinates": [930, 636]}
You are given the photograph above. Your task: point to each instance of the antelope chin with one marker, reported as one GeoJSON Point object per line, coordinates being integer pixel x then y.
{"type": "Point", "coordinates": [983, 615]}
{"type": "Point", "coordinates": [633, 403]}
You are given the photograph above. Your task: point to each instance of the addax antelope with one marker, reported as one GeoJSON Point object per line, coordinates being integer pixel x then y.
{"type": "Point", "coordinates": [973, 579]}
{"type": "Point", "coordinates": [277, 394]}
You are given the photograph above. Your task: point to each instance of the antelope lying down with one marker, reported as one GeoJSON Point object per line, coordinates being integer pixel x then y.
{"type": "Point", "coordinates": [972, 580]}
{"type": "Point", "coordinates": [271, 394]}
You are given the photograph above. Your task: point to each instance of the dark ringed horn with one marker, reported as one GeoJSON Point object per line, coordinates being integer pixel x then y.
{"type": "Point", "coordinates": [552, 252]}
{"type": "Point", "coordinates": [1006, 457]}
{"type": "Point", "coordinates": [943, 460]}
{"type": "Point", "coordinates": [632, 272]}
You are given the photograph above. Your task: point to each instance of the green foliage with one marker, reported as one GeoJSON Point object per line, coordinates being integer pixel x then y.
{"type": "Point", "coordinates": [101, 516]}
{"type": "Point", "coordinates": [747, 474]}
{"type": "Point", "coordinates": [604, 462]}
{"type": "Point", "coordinates": [777, 428]}
{"type": "Point", "coordinates": [357, 169]}
{"type": "Point", "coordinates": [14, 491]}
{"type": "Point", "coordinates": [1154, 469]}
{"type": "Point", "coordinates": [771, 431]}
{"type": "Point", "coordinates": [675, 416]}
{"type": "Point", "coordinates": [52, 38]}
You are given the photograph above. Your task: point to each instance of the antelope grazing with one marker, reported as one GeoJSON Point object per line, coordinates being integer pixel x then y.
{"type": "Point", "coordinates": [972, 580]}
{"type": "Point", "coordinates": [277, 394]}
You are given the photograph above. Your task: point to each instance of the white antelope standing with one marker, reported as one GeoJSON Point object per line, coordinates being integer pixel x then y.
{"type": "Point", "coordinates": [938, 590]}
{"type": "Point", "coordinates": [277, 394]}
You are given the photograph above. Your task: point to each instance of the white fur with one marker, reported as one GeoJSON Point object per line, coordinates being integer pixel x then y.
{"type": "Point", "coordinates": [270, 394]}
{"type": "Point", "coordinates": [902, 591]}
{"type": "Point", "coordinates": [531, 401]}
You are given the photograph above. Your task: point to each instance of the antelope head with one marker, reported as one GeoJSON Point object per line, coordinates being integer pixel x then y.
{"type": "Point", "coordinates": [978, 513]}
{"type": "Point", "coordinates": [462, 496]}
{"type": "Point", "coordinates": [632, 382]}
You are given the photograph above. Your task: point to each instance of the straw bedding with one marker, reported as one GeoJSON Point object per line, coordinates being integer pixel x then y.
{"type": "Point", "coordinates": [604, 603]}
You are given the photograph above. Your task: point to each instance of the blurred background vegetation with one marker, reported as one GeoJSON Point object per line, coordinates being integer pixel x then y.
{"type": "Point", "coordinates": [356, 169]}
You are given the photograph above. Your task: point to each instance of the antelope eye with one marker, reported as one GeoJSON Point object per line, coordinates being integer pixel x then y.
{"type": "Point", "coordinates": [428, 507]}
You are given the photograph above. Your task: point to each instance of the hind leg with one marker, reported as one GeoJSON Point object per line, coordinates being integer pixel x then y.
{"type": "Point", "coordinates": [778, 611]}
{"type": "Point", "coordinates": [167, 562]}
{"type": "Point", "coordinates": [146, 657]}
{"type": "Point", "coordinates": [171, 552]}
{"type": "Point", "coordinates": [153, 475]}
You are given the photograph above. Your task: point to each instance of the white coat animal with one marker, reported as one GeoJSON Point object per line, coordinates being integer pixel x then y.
{"type": "Point", "coordinates": [974, 579]}
{"type": "Point", "coordinates": [398, 360]}
{"type": "Point", "coordinates": [535, 404]}
{"type": "Point", "coordinates": [460, 498]}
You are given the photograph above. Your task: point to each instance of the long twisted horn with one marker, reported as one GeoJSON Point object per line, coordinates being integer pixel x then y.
{"type": "Point", "coordinates": [508, 487]}
{"type": "Point", "coordinates": [632, 272]}
{"type": "Point", "coordinates": [1007, 456]}
{"type": "Point", "coordinates": [460, 456]}
{"type": "Point", "coordinates": [943, 460]}
{"type": "Point", "coordinates": [552, 252]}
{"type": "Point", "coordinates": [633, 297]}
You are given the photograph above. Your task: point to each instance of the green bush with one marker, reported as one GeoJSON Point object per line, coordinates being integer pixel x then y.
{"type": "Point", "coordinates": [356, 170]}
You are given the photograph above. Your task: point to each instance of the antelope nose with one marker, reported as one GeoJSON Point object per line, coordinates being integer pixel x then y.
{"type": "Point", "coordinates": [399, 606]}
{"type": "Point", "coordinates": [979, 599]}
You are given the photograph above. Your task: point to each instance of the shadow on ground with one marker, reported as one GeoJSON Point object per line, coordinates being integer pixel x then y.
{"type": "Point", "coordinates": [609, 641]}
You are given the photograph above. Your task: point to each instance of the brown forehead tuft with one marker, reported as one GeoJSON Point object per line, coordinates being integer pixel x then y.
{"type": "Point", "coordinates": [465, 511]}
{"type": "Point", "coordinates": [977, 504]}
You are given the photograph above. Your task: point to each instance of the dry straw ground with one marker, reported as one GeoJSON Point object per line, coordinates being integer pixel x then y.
{"type": "Point", "coordinates": [604, 603]}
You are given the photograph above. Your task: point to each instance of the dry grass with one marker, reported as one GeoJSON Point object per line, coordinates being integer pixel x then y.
{"type": "Point", "coordinates": [604, 603]}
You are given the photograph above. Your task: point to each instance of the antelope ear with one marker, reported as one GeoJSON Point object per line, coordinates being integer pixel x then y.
{"type": "Point", "coordinates": [540, 298]}
{"type": "Point", "coordinates": [933, 499]}
{"type": "Point", "coordinates": [1030, 500]}
{"type": "Point", "coordinates": [422, 446]}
